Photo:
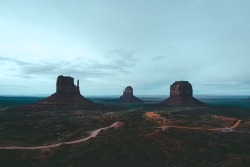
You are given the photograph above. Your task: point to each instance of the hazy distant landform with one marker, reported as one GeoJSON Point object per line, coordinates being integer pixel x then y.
{"type": "Point", "coordinates": [128, 96]}
{"type": "Point", "coordinates": [68, 96]}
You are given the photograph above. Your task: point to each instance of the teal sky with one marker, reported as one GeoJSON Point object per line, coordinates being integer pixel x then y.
{"type": "Point", "coordinates": [110, 44]}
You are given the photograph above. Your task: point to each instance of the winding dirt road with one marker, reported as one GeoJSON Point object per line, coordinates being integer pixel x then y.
{"type": "Point", "coordinates": [151, 114]}
{"type": "Point", "coordinates": [199, 128]}
{"type": "Point", "coordinates": [92, 135]}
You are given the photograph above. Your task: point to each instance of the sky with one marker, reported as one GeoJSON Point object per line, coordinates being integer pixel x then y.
{"type": "Point", "coordinates": [111, 44]}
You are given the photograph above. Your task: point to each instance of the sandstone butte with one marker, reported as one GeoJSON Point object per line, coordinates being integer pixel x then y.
{"type": "Point", "coordinates": [181, 93]}
{"type": "Point", "coordinates": [67, 95]}
{"type": "Point", "coordinates": [128, 96]}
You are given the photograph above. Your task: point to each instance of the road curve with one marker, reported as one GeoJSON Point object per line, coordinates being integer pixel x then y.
{"type": "Point", "coordinates": [92, 135]}
{"type": "Point", "coordinates": [199, 128]}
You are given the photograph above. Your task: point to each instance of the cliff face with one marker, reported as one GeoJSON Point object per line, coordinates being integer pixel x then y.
{"type": "Point", "coordinates": [181, 93]}
{"type": "Point", "coordinates": [66, 85]}
{"type": "Point", "coordinates": [181, 88]}
{"type": "Point", "coordinates": [128, 91]}
{"type": "Point", "coordinates": [128, 96]}
{"type": "Point", "coordinates": [67, 96]}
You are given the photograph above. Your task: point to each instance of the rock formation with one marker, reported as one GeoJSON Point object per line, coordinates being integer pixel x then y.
{"type": "Point", "coordinates": [67, 96]}
{"type": "Point", "coordinates": [66, 85]}
{"type": "Point", "coordinates": [128, 96]}
{"type": "Point", "coordinates": [181, 93]}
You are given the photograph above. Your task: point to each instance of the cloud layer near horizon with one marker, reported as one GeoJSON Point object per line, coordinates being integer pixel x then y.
{"type": "Point", "coordinates": [109, 45]}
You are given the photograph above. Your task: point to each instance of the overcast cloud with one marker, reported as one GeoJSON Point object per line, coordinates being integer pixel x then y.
{"type": "Point", "coordinates": [111, 44]}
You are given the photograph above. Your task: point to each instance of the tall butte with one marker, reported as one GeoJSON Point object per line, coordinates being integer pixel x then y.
{"type": "Point", "coordinates": [181, 93]}
{"type": "Point", "coordinates": [67, 96]}
{"type": "Point", "coordinates": [128, 96]}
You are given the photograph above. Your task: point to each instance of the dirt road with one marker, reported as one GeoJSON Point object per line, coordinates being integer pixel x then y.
{"type": "Point", "coordinates": [200, 128]}
{"type": "Point", "coordinates": [155, 115]}
{"type": "Point", "coordinates": [92, 135]}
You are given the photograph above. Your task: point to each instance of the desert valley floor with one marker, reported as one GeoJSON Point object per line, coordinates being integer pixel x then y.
{"type": "Point", "coordinates": [146, 134]}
